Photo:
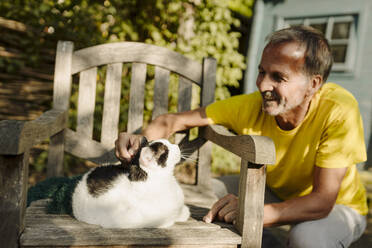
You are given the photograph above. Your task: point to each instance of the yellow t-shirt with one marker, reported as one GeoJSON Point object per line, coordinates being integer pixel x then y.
{"type": "Point", "coordinates": [330, 136]}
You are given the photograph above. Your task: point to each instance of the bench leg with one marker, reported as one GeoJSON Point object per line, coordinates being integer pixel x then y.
{"type": "Point", "coordinates": [251, 201]}
{"type": "Point", "coordinates": [13, 196]}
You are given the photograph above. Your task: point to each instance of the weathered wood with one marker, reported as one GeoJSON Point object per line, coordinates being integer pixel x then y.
{"type": "Point", "coordinates": [109, 237]}
{"type": "Point", "coordinates": [111, 107]}
{"type": "Point", "coordinates": [62, 230]}
{"type": "Point", "coordinates": [13, 194]}
{"type": "Point", "coordinates": [160, 92]}
{"type": "Point", "coordinates": [86, 102]}
{"type": "Point", "coordinates": [85, 148]}
{"type": "Point", "coordinates": [61, 100]}
{"type": "Point", "coordinates": [201, 195]}
{"type": "Point", "coordinates": [151, 246]}
{"type": "Point", "coordinates": [137, 97]}
{"type": "Point", "coordinates": [19, 136]}
{"type": "Point", "coordinates": [251, 202]}
{"type": "Point", "coordinates": [184, 94]}
{"type": "Point", "coordinates": [209, 81]}
{"type": "Point", "coordinates": [55, 155]}
{"type": "Point", "coordinates": [184, 104]}
{"type": "Point", "coordinates": [62, 75]}
{"type": "Point", "coordinates": [125, 52]}
{"type": "Point", "coordinates": [203, 174]}
{"type": "Point", "coordinates": [253, 148]}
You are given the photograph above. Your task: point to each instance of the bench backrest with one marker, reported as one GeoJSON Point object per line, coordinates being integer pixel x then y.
{"type": "Point", "coordinates": [85, 63]}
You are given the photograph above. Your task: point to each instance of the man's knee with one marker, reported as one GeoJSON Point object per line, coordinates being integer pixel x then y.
{"type": "Point", "coordinates": [309, 235]}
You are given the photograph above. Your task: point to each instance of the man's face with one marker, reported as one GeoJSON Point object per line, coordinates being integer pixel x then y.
{"type": "Point", "coordinates": [283, 84]}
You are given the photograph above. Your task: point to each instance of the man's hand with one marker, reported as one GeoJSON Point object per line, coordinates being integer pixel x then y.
{"type": "Point", "coordinates": [224, 209]}
{"type": "Point", "coordinates": [127, 145]}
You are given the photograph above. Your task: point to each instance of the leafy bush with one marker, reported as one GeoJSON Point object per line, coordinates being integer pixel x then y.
{"type": "Point", "coordinates": [194, 28]}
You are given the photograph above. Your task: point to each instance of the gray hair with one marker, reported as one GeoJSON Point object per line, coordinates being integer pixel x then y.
{"type": "Point", "coordinates": [318, 56]}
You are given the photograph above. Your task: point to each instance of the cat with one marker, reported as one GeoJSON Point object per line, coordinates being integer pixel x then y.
{"type": "Point", "coordinates": [141, 194]}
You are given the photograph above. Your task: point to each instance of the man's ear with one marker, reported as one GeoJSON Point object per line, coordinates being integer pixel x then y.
{"type": "Point", "coordinates": [315, 83]}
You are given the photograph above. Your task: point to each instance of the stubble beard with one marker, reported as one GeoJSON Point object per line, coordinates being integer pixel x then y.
{"type": "Point", "coordinates": [274, 105]}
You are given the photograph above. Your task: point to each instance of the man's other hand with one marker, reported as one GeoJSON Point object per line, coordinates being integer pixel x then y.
{"type": "Point", "coordinates": [224, 209]}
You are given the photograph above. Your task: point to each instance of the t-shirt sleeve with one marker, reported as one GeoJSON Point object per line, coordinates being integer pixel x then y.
{"type": "Point", "coordinates": [342, 141]}
{"type": "Point", "coordinates": [234, 112]}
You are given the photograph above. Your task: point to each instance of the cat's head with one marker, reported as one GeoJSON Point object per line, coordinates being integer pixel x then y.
{"type": "Point", "coordinates": [159, 155]}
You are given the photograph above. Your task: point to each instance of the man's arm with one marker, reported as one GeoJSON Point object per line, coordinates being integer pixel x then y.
{"type": "Point", "coordinates": [316, 205]}
{"type": "Point", "coordinates": [162, 126]}
{"type": "Point", "coordinates": [165, 125]}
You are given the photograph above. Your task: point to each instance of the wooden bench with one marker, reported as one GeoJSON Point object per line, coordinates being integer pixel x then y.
{"type": "Point", "coordinates": [33, 227]}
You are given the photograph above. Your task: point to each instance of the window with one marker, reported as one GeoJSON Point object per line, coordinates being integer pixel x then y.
{"type": "Point", "coordinates": [340, 32]}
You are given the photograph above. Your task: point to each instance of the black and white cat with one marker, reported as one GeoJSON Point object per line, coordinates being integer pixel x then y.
{"type": "Point", "coordinates": [141, 194]}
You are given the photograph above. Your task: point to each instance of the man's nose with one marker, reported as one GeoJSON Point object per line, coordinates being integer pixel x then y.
{"type": "Point", "coordinates": [264, 83]}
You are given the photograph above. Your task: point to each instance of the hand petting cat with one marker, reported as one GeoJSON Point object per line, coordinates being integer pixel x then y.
{"type": "Point", "coordinates": [126, 146]}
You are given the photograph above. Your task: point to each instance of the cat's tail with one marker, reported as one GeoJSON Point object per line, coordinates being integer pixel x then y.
{"type": "Point", "coordinates": [59, 190]}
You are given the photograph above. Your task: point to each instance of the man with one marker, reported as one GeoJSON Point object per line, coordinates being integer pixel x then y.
{"type": "Point", "coordinates": [318, 135]}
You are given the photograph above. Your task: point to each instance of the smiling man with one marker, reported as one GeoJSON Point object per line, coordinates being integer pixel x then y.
{"type": "Point", "coordinates": [318, 135]}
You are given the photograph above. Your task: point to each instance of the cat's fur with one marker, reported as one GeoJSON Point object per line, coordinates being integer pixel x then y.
{"type": "Point", "coordinates": [142, 194]}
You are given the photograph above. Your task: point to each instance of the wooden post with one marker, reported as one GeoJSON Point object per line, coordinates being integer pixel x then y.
{"type": "Point", "coordinates": [61, 100]}
{"type": "Point", "coordinates": [56, 152]}
{"type": "Point", "coordinates": [13, 196]}
{"type": "Point", "coordinates": [206, 98]}
{"type": "Point", "coordinates": [251, 202]}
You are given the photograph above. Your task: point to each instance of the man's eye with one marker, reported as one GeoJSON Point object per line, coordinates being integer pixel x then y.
{"type": "Point", "coordinates": [278, 78]}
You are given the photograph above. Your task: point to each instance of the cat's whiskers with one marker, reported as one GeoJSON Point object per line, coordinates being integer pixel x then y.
{"type": "Point", "coordinates": [188, 158]}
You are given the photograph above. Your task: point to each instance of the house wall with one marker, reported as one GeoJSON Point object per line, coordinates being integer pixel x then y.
{"type": "Point", "coordinates": [358, 81]}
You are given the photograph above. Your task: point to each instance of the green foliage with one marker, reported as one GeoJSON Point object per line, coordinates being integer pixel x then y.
{"type": "Point", "coordinates": [194, 28]}
{"type": "Point", "coordinates": [243, 7]}
{"type": "Point", "coordinates": [224, 162]}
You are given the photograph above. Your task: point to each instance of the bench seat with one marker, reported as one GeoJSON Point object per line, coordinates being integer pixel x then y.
{"type": "Point", "coordinates": [50, 230]}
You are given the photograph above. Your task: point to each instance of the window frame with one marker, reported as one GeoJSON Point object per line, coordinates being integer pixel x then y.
{"type": "Point", "coordinates": [350, 56]}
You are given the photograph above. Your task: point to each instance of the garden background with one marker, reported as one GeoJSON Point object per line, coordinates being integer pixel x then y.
{"type": "Point", "coordinates": [30, 30]}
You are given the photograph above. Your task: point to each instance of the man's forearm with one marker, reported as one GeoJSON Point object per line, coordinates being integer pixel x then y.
{"type": "Point", "coordinates": [309, 207]}
{"type": "Point", "coordinates": [160, 127]}
{"type": "Point", "coordinates": [165, 125]}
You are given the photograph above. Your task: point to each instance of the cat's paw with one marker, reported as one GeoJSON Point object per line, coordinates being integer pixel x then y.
{"type": "Point", "coordinates": [185, 214]}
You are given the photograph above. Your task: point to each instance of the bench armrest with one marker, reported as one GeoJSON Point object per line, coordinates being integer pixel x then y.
{"type": "Point", "coordinates": [252, 148]}
{"type": "Point", "coordinates": [19, 136]}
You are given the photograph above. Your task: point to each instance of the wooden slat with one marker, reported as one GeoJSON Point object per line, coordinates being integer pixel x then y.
{"type": "Point", "coordinates": [111, 107]}
{"type": "Point", "coordinates": [209, 81]}
{"type": "Point", "coordinates": [13, 194]}
{"type": "Point", "coordinates": [127, 52]}
{"type": "Point", "coordinates": [62, 230]}
{"type": "Point", "coordinates": [151, 246]}
{"type": "Point", "coordinates": [55, 155]}
{"type": "Point", "coordinates": [61, 100]}
{"type": "Point", "coordinates": [19, 136]}
{"type": "Point", "coordinates": [251, 203]}
{"type": "Point", "coordinates": [137, 97]}
{"type": "Point", "coordinates": [160, 92]}
{"type": "Point", "coordinates": [206, 97]}
{"type": "Point", "coordinates": [184, 104]}
{"type": "Point", "coordinates": [62, 75]}
{"type": "Point", "coordinates": [184, 94]}
{"type": "Point", "coordinates": [86, 102]}
{"type": "Point", "coordinates": [83, 147]}
{"type": "Point", "coordinates": [100, 237]}
{"type": "Point", "coordinates": [203, 174]}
